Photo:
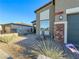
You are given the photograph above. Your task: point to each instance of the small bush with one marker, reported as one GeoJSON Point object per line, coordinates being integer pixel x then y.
{"type": "Point", "coordinates": [7, 38]}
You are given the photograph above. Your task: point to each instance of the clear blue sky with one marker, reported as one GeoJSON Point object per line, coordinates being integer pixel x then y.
{"type": "Point", "coordinates": [12, 11]}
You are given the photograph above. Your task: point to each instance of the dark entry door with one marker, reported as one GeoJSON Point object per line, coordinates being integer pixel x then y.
{"type": "Point", "coordinates": [73, 29]}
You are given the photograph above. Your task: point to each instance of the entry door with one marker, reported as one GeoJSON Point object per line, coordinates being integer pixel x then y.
{"type": "Point", "coordinates": [73, 29]}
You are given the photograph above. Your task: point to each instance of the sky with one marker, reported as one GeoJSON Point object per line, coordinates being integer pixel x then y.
{"type": "Point", "coordinates": [19, 11]}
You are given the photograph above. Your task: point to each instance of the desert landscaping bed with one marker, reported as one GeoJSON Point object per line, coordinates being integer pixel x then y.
{"type": "Point", "coordinates": [13, 50]}
{"type": "Point", "coordinates": [7, 44]}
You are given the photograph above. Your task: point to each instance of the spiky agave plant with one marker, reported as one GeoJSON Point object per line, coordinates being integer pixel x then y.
{"type": "Point", "coordinates": [47, 47]}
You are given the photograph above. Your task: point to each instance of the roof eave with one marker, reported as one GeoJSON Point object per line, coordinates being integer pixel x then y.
{"type": "Point", "coordinates": [44, 6]}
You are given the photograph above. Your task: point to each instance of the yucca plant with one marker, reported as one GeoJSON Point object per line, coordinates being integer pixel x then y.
{"type": "Point", "coordinates": [47, 47]}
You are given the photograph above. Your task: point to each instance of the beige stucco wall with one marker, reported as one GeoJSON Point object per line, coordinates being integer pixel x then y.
{"type": "Point", "coordinates": [63, 5]}
{"type": "Point", "coordinates": [44, 15]}
{"type": "Point", "coordinates": [37, 23]}
{"type": "Point", "coordinates": [51, 19]}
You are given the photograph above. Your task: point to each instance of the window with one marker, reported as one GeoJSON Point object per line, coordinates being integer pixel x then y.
{"type": "Point", "coordinates": [44, 26]}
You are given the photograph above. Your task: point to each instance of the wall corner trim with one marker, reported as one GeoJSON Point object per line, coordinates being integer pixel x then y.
{"type": "Point", "coordinates": [72, 10]}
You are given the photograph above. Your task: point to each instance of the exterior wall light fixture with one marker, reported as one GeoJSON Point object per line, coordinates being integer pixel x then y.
{"type": "Point", "coordinates": [60, 17]}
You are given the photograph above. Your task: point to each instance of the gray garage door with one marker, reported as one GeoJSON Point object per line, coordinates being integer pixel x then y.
{"type": "Point", "coordinates": [73, 29]}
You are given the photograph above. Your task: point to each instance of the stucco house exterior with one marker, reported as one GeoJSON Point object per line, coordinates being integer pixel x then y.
{"type": "Point", "coordinates": [16, 28]}
{"type": "Point", "coordinates": [65, 14]}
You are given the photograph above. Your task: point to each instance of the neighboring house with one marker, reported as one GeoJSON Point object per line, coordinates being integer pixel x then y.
{"type": "Point", "coordinates": [66, 28]}
{"type": "Point", "coordinates": [16, 28]}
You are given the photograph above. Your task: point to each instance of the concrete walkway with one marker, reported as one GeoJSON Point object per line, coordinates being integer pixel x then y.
{"type": "Point", "coordinates": [28, 40]}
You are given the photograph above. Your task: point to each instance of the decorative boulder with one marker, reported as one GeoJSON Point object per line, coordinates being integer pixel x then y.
{"type": "Point", "coordinates": [42, 57]}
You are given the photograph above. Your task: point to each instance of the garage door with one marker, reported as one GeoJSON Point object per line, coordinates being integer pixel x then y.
{"type": "Point", "coordinates": [73, 29]}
